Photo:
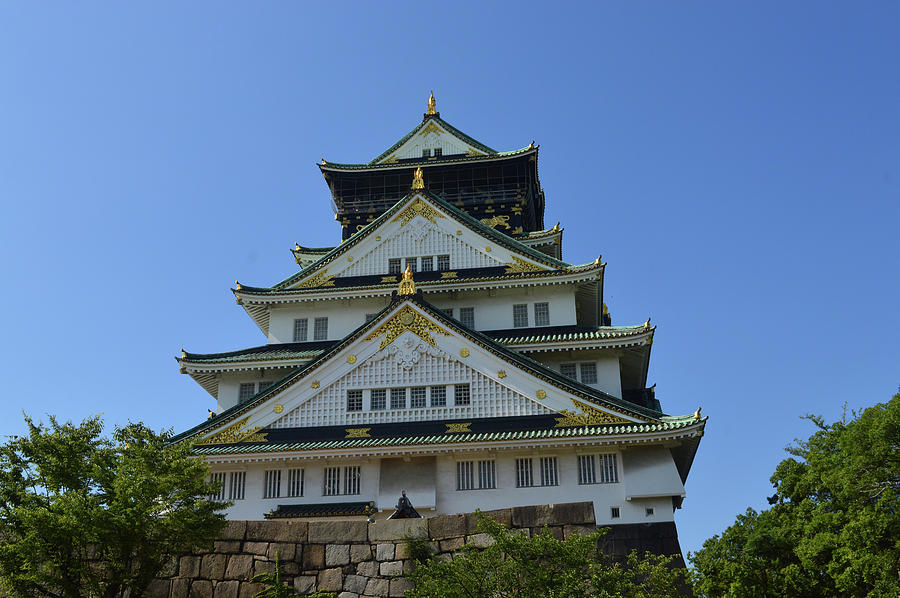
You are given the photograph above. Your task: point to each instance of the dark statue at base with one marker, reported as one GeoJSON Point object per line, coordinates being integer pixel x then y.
{"type": "Point", "coordinates": [405, 509]}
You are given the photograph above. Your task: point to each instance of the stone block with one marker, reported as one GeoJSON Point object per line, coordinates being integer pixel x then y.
{"type": "Point", "coordinates": [330, 580]}
{"type": "Point", "coordinates": [384, 552]}
{"type": "Point", "coordinates": [227, 589]}
{"type": "Point", "coordinates": [367, 568]}
{"type": "Point", "coordinates": [556, 531]}
{"type": "Point", "coordinates": [180, 587]}
{"type": "Point", "coordinates": [348, 595]}
{"type": "Point", "coordinates": [451, 544]}
{"type": "Point", "coordinates": [572, 513]}
{"type": "Point", "coordinates": [239, 567]}
{"type": "Point", "coordinates": [234, 530]}
{"type": "Point", "coordinates": [257, 548]}
{"type": "Point", "coordinates": [399, 587]}
{"type": "Point", "coordinates": [531, 516]}
{"type": "Point", "coordinates": [284, 550]}
{"type": "Point", "coordinates": [501, 516]}
{"type": "Point", "coordinates": [227, 546]}
{"type": "Point", "coordinates": [391, 568]}
{"type": "Point", "coordinates": [355, 583]}
{"type": "Point", "coordinates": [337, 554]}
{"type": "Point", "coordinates": [262, 565]}
{"type": "Point", "coordinates": [158, 588]}
{"type": "Point", "coordinates": [305, 584]}
{"type": "Point", "coordinates": [277, 531]}
{"type": "Point", "coordinates": [313, 557]}
{"type": "Point", "coordinates": [391, 530]}
{"type": "Point", "coordinates": [201, 588]}
{"type": "Point", "coordinates": [250, 589]}
{"type": "Point", "coordinates": [480, 540]}
{"type": "Point", "coordinates": [378, 587]}
{"type": "Point", "coordinates": [584, 530]}
{"type": "Point", "coordinates": [360, 552]}
{"type": "Point", "coordinates": [170, 567]}
{"type": "Point", "coordinates": [447, 526]}
{"type": "Point", "coordinates": [212, 566]}
{"type": "Point", "coordinates": [336, 532]}
{"type": "Point", "coordinates": [189, 566]}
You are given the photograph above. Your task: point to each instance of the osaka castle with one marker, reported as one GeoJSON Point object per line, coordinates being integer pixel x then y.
{"type": "Point", "coordinates": [445, 349]}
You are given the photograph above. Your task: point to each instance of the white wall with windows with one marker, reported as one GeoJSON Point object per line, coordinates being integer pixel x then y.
{"type": "Point", "coordinates": [598, 369]}
{"type": "Point", "coordinates": [238, 387]}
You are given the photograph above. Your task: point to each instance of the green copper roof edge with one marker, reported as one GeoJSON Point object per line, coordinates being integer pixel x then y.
{"type": "Point", "coordinates": [340, 166]}
{"type": "Point", "coordinates": [302, 249]}
{"type": "Point", "coordinates": [450, 128]}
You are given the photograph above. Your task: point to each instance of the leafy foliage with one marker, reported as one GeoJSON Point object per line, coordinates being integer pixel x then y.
{"type": "Point", "coordinates": [84, 515]}
{"type": "Point", "coordinates": [834, 525]}
{"type": "Point", "coordinates": [542, 566]}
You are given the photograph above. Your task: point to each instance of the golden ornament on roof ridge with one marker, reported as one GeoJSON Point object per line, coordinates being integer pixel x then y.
{"type": "Point", "coordinates": [407, 286]}
{"type": "Point", "coordinates": [431, 105]}
{"type": "Point", "coordinates": [418, 179]}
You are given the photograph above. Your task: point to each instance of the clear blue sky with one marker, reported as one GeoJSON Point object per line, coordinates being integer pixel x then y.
{"type": "Point", "coordinates": [736, 164]}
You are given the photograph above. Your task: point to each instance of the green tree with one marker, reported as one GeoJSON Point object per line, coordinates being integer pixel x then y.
{"type": "Point", "coordinates": [834, 525]}
{"type": "Point", "coordinates": [85, 515]}
{"type": "Point", "coordinates": [542, 566]}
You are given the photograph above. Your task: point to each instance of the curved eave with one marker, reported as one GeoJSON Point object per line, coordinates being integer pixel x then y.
{"type": "Point", "coordinates": [338, 167]}
{"type": "Point", "coordinates": [540, 237]}
{"type": "Point", "coordinates": [584, 341]}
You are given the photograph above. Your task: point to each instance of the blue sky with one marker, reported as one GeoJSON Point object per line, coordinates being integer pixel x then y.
{"type": "Point", "coordinates": [734, 163]}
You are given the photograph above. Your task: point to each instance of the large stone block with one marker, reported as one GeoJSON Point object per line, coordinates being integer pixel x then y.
{"type": "Point", "coordinates": [189, 566]}
{"type": "Point", "coordinates": [355, 583]}
{"type": "Point", "coordinates": [391, 530]}
{"type": "Point", "coordinates": [180, 587]}
{"type": "Point", "coordinates": [480, 540]}
{"type": "Point", "coordinates": [449, 526]}
{"type": "Point", "coordinates": [384, 552]}
{"type": "Point", "coordinates": [532, 516]}
{"type": "Point", "coordinates": [367, 568]}
{"type": "Point", "coordinates": [378, 587]}
{"type": "Point", "coordinates": [284, 550]}
{"type": "Point", "coordinates": [305, 584]}
{"type": "Point", "coordinates": [212, 566]}
{"type": "Point", "coordinates": [451, 544]}
{"type": "Point", "coordinates": [399, 586]}
{"type": "Point", "coordinates": [227, 589]}
{"type": "Point", "coordinates": [501, 516]}
{"type": "Point", "coordinates": [227, 546]}
{"type": "Point", "coordinates": [234, 530]}
{"type": "Point", "coordinates": [348, 595]}
{"type": "Point", "coordinates": [250, 589]}
{"type": "Point", "coordinates": [170, 567]}
{"type": "Point", "coordinates": [572, 513]}
{"type": "Point", "coordinates": [330, 580]}
{"type": "Point", "coordinates": [158, 588]}
{"type": "Point", "coordinates": [360, 552]}
{"type": "Point", "coordinates": [201, 588]}
{"type": "Point", "coordinates": [277, 531]}
{"type": "Point", "coordinates": [336, 532]}
{"type": "Point", "coordinates": [584, 530]}
{"type": "Point", "coordinates": [263, 565]}
{"type": "Point", "coordinates": [257, 548]}
{"type": "Point", "coordinates": [239, 567]}
{"type": "Point", "coordinates": [313, 557]}
{"type": "Point", "coordinates": [391, 568]}
{"type": "Point", "coordinates": [337, 554]}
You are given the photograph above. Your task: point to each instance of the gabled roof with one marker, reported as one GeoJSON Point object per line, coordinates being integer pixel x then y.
{"type": "Point", "coordinates": [529, 366]}
{"type": "Point", "coordinates": [434, 118]}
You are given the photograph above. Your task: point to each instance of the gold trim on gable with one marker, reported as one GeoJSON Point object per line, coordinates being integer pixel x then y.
{"type": "Point", "coordinates": [318, 280]}
{"type": "Point", "coordinates": [431, 128]}
{"type": "Point", "coordinates": [459, 428]}
{"type": "Point", "coordinates": [417, 208]}
{"type": "Point", "coordinates": [234, 434]}
{"type": "Point", "coordinates": [589, 416]}
{"type": "Point", "coordinates": [519, 265]}
{"type": "Point", "coordinates": [358, 433]}
{"type": "Point", "coordinates": [407, 319]}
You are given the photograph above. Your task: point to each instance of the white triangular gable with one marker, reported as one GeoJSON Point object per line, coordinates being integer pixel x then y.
{"type": "Point", "coordinates": [418, 228]}
{"type": "Point", "coordinates": [409, 347]}
{"type": "Point", "coordinates": [432, 135]}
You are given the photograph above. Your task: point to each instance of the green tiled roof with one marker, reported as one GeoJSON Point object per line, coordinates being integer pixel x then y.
{"type": "Point", "coordinates": [607, 332]}
{"type": "Point", "coordinates": [668, 423]}
{"type": "Point", "coordinates": [424, 161]}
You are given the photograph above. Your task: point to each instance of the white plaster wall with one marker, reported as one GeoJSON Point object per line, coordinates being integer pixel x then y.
{"type": "Point", "coordinates": [344, 316]}
{"type": "Point", "coordinates": [609, 378]}
{"type": "Point", "coordinates": [651, 472]}
{"type": "Point", "coordinates": [413, 148]}
{"type": "Point", "coordinates": [230, 384]}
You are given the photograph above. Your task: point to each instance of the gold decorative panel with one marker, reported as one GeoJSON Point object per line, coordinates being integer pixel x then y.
{"type": "Point", "coordinates": [519, 265]}
{"type": "Point", "coordinates": [541, 394]}
{"type": "Point", "coordinates": [495, 221]}
{"type": "Point", "coordinates": [236, 433]}
{"type": "Point", "coordinates": [463, 353]}
{"type": "Point", "coordinates": [358, 433]}
{"type": "Point", "coordinates": [431, 128]}
{"type": "Point", "coordinates": [459, 428]}
{"type": "Point", "coordinates": [417, 208]}
{"type": "Point", "coordinates": [278, 408]}
{"type": "Point", "coordinates": [589, 416]}
{"type": "Point", "coordinates": [407, 319]}
{"type": "Point", "coordinates": [319, 280]}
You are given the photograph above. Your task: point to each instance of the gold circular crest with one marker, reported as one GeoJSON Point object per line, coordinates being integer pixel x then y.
{"type": "Point", "coordinates": [541, 394]}
{"type": "Point", "coordinates": [407, 318]}
{"type": "Point", "coordinates": [278, 408]}
{"type": "Point", "coordinates": [463, 352]}
{"type": "Point", "coordinates": [349, 258]}
{"type": "Point", "coordinates": [315, 384]}
{"type": "Point", "coordinates": [351, 359]}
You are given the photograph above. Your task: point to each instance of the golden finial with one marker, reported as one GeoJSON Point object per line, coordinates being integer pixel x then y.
{"type": "Point", "coordinates": [556, 226]}
{"type": "Point", "coordinates": [183, 354]}
{"type": "Point", "coordinates": [211, 414]}
{"type": "Point", "coordinates": [697, 413]}
{"type": "Point", "coordinates": [407, 286]}
{"type": "Point", "coordinates": [237, 285]}
{"type": "Point", "coordinates": [323, 161]}
{"type": "Point", "coordinates": [647, 324]}
{"type": "Point", "coordinates": [605, 309]}
{"type": "Point", "coordinates": [431, 105]}
{"type": "Point", "coordinates": [418, 179]}
{"type": "Point", "coordinates": [297, 246]}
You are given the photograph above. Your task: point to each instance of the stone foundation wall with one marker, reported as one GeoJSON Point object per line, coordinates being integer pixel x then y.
{"type": "Point", "coordinates": [352, 558]}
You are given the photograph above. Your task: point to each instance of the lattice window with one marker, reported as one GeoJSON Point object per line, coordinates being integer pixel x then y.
{"type": "Point", "coordinates": [589, 473]}
{"type": "Point", "coordinates": [218, 478]}
{"type": "Point", "coordinates": [332, 481]}
{"type": "Point", "coordinates": [379, 399]}
{"type": "Point", "coordinates": [264, 385]}
{"type": "Point", "coordinates": [520, 315]}
{"type": "Point", "coordinates": [448, 311]}
{"type": "Point", "coordinates": [320, 329]}
{"type": "Point", "coordinates": [541, 314]}
{"type": "Point", "coordinates": [588, 372]}
{"type": "Point", "coordinates": [438, 152]}
{"type": "Point", "coordinates": [487, 477]}
{"type": "Point", "coordinates": [394, 265]}
{"type": "Point", "coordinates": [247, 390]}
{"type": "Point", "coordinates": [301, 329]}
{"type": "Point", "coordinates": [295, 483]}
{"type": "Point", "coordinates": [569, 370]}
{"type": "Point", "coordinates": [609, 472]}
{"type": "Point", "coordinates": [427, 263]}
{"type": "Point", "coordinates": [417, 397]}
{"type": "Point", "coordinates": [438, 396]}
{"type": "Point", "coordinates": [461, 394]}
{"type": "Point", "coordinates": [443, 262]}
{"type": "Point", "coordinates": [467, 316]}
{"type": "Point", "coordinates": [354, 400]}
{"type": "Point", "coordinates": [614, 512]}
{"type": "Point", "coordinates": [465, 475]}
{"type": "Point", "coordinates": [524, 477]}
{"type": "Point", "coordinates": [398, 398]}
{"type": "Point", "coordinates": [237, 483]}
{"type": "Point", "coordinates": [272, 488]}
{"type": "Point", "coordinates": [351, 479]}
{"type": "Point", "coordinates": [549, 476]}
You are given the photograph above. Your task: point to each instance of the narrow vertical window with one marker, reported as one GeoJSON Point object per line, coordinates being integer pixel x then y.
{"type": "Point", "coordinates": [426, 153]}
{"type": "Point", "coordinates": [427, 263]}
{"type": "Point", "coordinates": [417, 397]}
{"type": "Point", "coordinates": [438, 152]}
{"type": "Point", "coordinates": [648, 512]}
{"type": "Point", "coordinates": [548, 472]}
{"type": "Point", "coordinates": [398, 398]}
{"type": "Point", "coordinates": [272, 488]}
{"type": "Point", "coordinates": [465, 475]}
{"type": "Point", "coordinates": [467, 316]}
{"type": "Point", "coordinates": [394, 265]}
{"type": "Point", "coordinates": [569, 370]}
{"type": "Point", "coordinates": [351, 480]}
{"type": "Point", "coordinates": [541, 314]}
{"type": "Point", "coordinates": [461, 394]}
{"type": "Point", "coordinates": [301, 328]}
{"type": "Point", "coordinates": [218, 478]}
{"type": "Point", "coordinates": [486, 475]}
{"type": "Point", "coordinates": [379, 399]}
{"type": "Point", "coordinates": [247, 390]}
{"type": "Point", "coordinates": [237, 483]}
{"type": "Point", "coordinates": [524, 477]}
{"type": "Point", "coordinates": [614, 512]}
{"type": "Point", "coordinates": [588, 372]}
{"type": "Point", "coordinates": [320, 329]}
{"type": "Point", "coordinates": [332, 482]}
{"type": "Point", "coordinates": [609, 473]}
{"type": "Point", "coordinates": [443, 262]}
{"type": "Point", "coordinates": [586, 469]}
{"type": "Point", "coordinates": [354, 400]}
{"type": "Point", "coordinates": [295, 482]}
{"type": "Point", "coordinates": [448, 311]}
{"type": "Point", "coordinates": [520, 315]}
{"type": "Point", "coordinates": [438, 396]}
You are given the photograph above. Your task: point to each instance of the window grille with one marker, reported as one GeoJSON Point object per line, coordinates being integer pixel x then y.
{"type": "Point", "coordinates": [272, 488]}
{"type": "Point", "coordinates": [219, 479]}
{"type": "Point", "coordinates": [438, 396]}
{"type": "Point", "coordinates": [443, 262]}
{"type": "Point", "coordinates": [295, 482]}
{"type": "Point", "coordinates": [354, 400]}
{"type": "Point", "coordinates": [379, 399]}
{"type": "Point", "coordinates": [648, 512]}
{"type": "Point", "coordinates": [520, 315]}
{"type": "Point", "coordinates": [417, 397]}
{"type": "Point", "coordinates": [586, 473]}
{"type": "Point", "coordinates": [426, 153]}
{"type": "Point", "coordinates": [614, 512]}
{"type": "Point", "coordinates": [320, 329]}
{"type": "Point", "coordinates": [448, 311]}
{"type": "Point", "coordinates": [569, 370]}
{"type": "Point", "coordinates": [411, 262]}
{"type": "Point", "coordinates": [524, 477]}
{"type": "Point", "coordinates": [548, 472]}
{"type": "Point", "coordinates": [609, 472]}
{"type": "Point", "coordinates": [247, 390]}
{"type": "Point", "coordinates": [236, 485]}
{"type": "Point", "coordinates": [438, 152]}
{"type": "Point", "coordinates": [394, 265]}
{"type": "Point", "coordinates": [301, 329]}
{"type": "Point", "coordinates": [486, 475]}
{"type": "Point", "coordinates": [541, 314]}
{"type": "Point", "coordinates": [427, 263]}
{"type": "Point", "coordinates": [265, 385]}
{"type": "Point", "coordinates": [351, 479]}
{"type": "Point", "coordinates": [467, 316]}
{"type": "Point", "coordinates": [588, 372]}
{"type": "Point", "coordinates": [398, 398]}
{"type": "Point", "coordinates": [332, 486]}
{"type": "Point", "coordinates": [465, 478]}
{"type": "Point", "coordinates": [461, 394]}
